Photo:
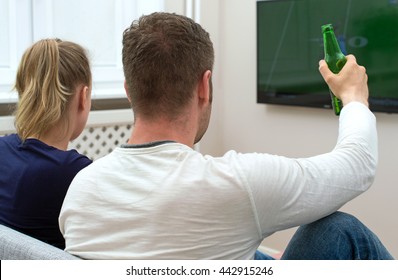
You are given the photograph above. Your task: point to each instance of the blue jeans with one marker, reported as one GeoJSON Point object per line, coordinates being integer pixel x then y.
{"type": "Point", "coordinates": [339, 236]}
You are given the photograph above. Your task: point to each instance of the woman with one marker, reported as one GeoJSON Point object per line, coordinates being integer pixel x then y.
{"type": "Point", "coordinates": [54, 88]}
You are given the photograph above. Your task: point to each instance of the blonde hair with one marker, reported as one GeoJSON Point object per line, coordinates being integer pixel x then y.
{"type": "Point", "coordinates": [47, 77]}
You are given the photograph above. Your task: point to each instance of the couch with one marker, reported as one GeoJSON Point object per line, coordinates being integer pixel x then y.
{"type": "Point", "coordinates": [15, 245]}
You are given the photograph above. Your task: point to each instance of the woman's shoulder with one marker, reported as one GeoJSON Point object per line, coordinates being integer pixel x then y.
{"type": "Point", "coordinates": [13, 137]}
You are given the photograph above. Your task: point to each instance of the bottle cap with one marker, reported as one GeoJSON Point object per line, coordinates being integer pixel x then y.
{"type": "Point", "coordinates": [327, 27]}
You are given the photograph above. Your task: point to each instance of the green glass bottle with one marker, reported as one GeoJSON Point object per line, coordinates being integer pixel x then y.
{"type": "Point", "coordinates": [334, 58]}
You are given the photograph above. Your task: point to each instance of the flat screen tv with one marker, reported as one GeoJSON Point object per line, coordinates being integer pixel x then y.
{"type": "Point", "coordinates": [289, 46]}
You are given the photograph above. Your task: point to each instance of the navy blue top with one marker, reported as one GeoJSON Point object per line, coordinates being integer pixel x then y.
{"type": "Point", "coordinates": [34, 179]}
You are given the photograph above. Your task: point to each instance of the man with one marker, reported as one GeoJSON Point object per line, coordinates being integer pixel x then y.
{"type": "Point", "coordinates": [157, 198]}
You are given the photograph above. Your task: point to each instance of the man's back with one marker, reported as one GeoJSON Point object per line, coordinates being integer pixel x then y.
{"type": "Point", "coordinates": [159, 202]}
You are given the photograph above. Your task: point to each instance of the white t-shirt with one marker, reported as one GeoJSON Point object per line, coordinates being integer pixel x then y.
{"type": "Point", "coordinates": [167, 201]}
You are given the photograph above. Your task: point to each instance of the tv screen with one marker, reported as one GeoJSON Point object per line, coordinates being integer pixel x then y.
{"type": "Point", "coordinates": [289, 46]}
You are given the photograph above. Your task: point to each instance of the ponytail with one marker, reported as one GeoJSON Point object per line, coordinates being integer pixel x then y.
{"type": "Point", "coordinates": [48, 74]}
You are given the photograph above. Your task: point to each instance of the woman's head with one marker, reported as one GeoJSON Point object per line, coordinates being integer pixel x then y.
{"type": "Point", "coordinates": [49, 74]}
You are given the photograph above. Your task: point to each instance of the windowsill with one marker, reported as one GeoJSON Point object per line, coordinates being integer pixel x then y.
{"type": "Point", "coordinates": [7, 109]}
{"type": "Point", "coordinates": [102, 99]}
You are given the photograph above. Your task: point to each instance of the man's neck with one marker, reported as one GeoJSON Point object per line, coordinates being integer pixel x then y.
{"type": "Point", "coordinates": [161, 130]}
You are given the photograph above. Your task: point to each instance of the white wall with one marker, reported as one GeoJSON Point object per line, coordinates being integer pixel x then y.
{"type": "Point", "coordinates": [241, 124]}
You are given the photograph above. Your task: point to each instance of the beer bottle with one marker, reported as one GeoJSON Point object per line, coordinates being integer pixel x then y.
{"type": "Point", "coordinates": [334, 58]}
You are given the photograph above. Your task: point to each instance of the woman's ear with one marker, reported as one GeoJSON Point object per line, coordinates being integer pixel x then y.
{"type": "Point", "coordinates": [84, 98]}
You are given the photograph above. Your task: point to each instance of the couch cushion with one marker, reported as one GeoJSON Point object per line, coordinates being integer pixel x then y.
{"type": "Point", "coordinates": [18, 246]}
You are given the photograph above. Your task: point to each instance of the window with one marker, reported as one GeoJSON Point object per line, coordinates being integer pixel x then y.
{"type": "Point", "coordinates": [97, 25]}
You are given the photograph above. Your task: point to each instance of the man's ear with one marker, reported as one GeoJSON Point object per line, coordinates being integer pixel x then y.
{"type": "Point", "coordinates": [126, 90]}
{"type": "Point", "coordinates": [204, 88]}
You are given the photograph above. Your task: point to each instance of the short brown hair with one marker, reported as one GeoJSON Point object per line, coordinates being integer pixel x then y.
{"type": "Point", "coordinates": [164, 56]}
{"type": "Point", "coordinates": [48, 74]}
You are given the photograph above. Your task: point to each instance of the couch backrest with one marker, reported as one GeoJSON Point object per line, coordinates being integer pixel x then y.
{"type": "Point", "coordinates": [15, 245]}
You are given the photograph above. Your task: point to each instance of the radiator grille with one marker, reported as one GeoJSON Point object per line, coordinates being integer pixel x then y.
{"type": "Point", "coordinates": [95, 142]}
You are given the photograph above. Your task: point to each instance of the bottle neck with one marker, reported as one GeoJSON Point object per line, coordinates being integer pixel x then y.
{"type": "Point", "coordinates": [330, 43]}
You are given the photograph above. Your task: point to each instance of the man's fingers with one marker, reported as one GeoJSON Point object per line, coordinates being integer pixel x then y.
{"type": "Point", "coordinates": [324, 69]}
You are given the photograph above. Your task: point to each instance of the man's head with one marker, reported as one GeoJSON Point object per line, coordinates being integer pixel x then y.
{"type": "Point", "coordinates": [164, 58]}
